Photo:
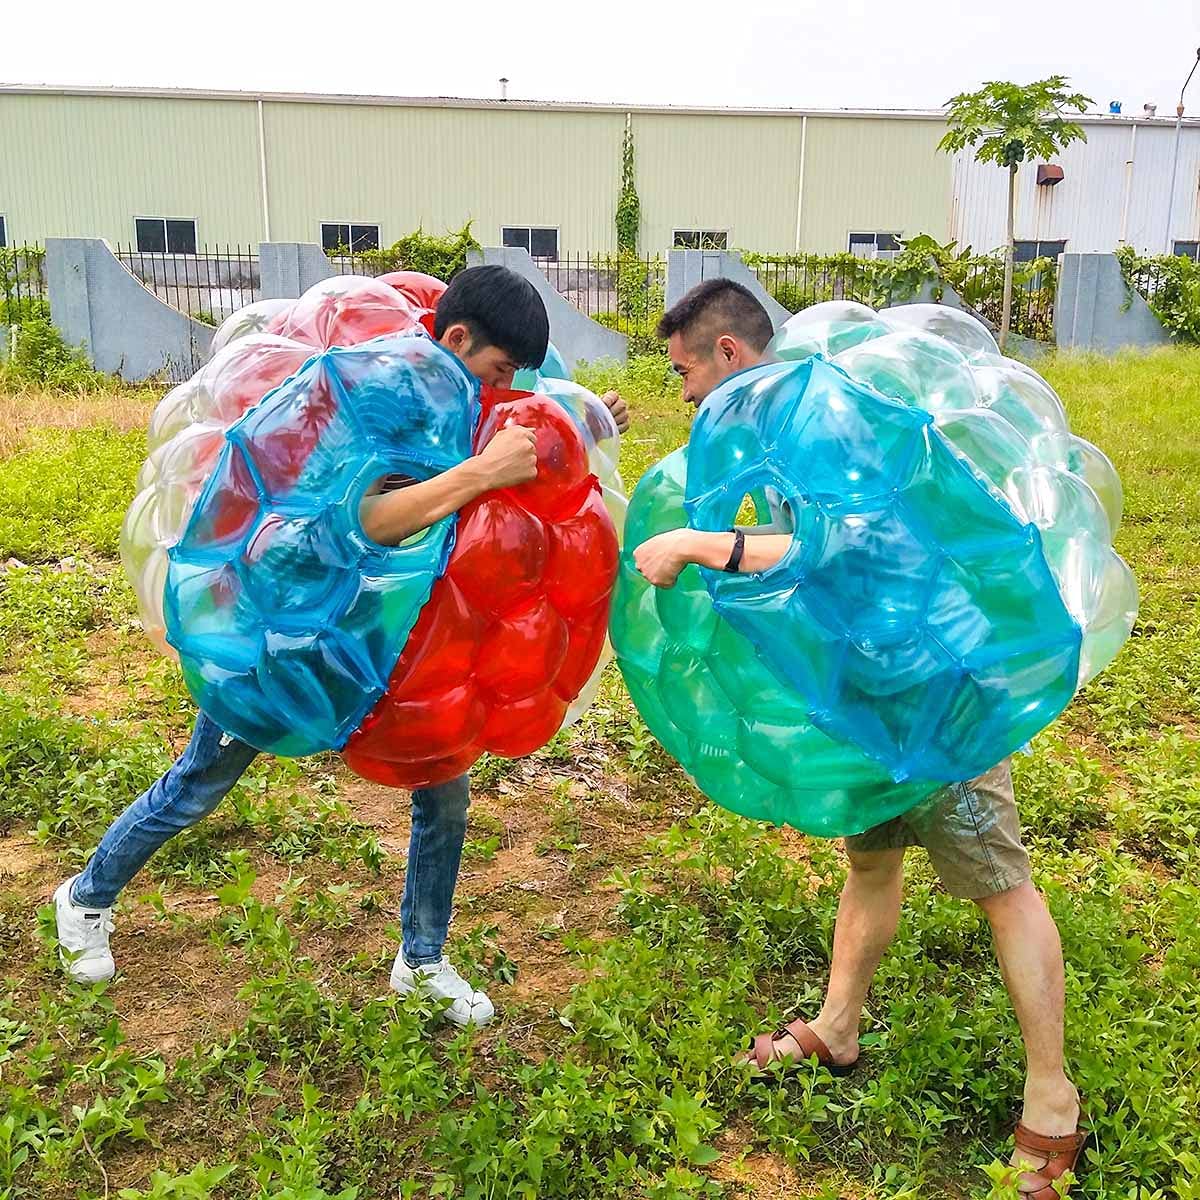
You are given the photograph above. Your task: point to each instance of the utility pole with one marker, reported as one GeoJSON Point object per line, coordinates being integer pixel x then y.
{"type": "Point", "coordinates": [1168, 244]}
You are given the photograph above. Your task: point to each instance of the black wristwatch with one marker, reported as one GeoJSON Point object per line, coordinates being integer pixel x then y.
{"type": "Point", "coordinates": [739, 546]}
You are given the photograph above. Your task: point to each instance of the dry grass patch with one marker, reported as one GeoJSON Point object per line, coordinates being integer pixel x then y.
{"type": "Point", "coordinates": [27, 408]}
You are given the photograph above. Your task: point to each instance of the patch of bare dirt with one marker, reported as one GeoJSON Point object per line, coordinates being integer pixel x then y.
{"type": "Point", "coordinates": [175, 987]}
{"type": "Point", "coordinates": [560, 832]}
{"type": "Point", "coordinates": [116, 665]}
{"type": "Point", "coordinates": [759, 1175]}
{"type": "Point", "coordinates": [561, 828]}
{"type": "Point", "coordinates": [23, 861]}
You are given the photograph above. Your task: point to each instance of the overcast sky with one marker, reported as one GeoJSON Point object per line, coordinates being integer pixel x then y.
{"type": "Point", "coordinates": [839, 53]}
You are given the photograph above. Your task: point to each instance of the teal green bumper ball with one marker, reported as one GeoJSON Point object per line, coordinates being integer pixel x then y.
{"type": "Point", "coordinates": [951, 583]}
{"type": "Point", "coordinates": [742, 734]}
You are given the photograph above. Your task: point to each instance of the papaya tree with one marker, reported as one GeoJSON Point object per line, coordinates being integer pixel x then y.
{"type": "Point", "coordinates": [1006, 124]}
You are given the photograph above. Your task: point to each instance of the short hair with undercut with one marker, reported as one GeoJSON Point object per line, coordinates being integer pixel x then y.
{"type": "Point", "coordinates": [500, 308]}
{"type": "Point", "coordinates": [714, 308]}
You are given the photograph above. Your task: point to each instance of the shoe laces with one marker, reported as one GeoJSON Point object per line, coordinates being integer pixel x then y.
{"type": "Point", "coordinates": [452, 982]}
{"type": "Point", "coordinates": [95, 927]}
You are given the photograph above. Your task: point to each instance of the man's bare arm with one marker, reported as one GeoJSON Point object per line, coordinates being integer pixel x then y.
{"type": "Point", "coordinates": [510, 458]}
{"type": "Point", "coordinates": [662, 557]}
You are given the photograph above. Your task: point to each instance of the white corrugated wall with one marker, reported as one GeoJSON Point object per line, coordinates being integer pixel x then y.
{"type": "Point", "coordinates": [1114, 189]}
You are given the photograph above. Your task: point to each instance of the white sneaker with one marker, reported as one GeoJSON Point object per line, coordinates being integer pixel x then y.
{"type": "Point", "coordinates": [440, 981]}
{"type": "Point", "coordinates": [83, 937]}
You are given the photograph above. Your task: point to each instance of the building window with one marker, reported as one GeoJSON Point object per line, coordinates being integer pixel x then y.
{"type": "Point", "coordinates": [3, 231]}
{"type": "Point", "coordinates": [1187, 249]}
{"type": "Point", "coordinates": [701, 239]}
{"type": "Point", "coordinates": [874, 245]}
{"type": "Point", "coordinates": [1028, 251]}
{"type": "Point", "coordinates": [346, 235]}
{"type": "Point", "coordinates": [539, 241]}
{"type": "Point", "coordinates": [165, 235]}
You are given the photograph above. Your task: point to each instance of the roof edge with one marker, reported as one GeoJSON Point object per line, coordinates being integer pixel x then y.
{"type": "Point", "coordinates": [476, 102]}
{"type": "Point", "coordinates": [448, 101]}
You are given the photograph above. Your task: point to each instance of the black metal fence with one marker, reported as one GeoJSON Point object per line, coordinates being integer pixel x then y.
{"type": "Point", "coordinates": [982, 288]}
{"type": "Point", "coordinates": [22, 283]}
{"type": "Point", "coordinates": [207, 286]}
{"type": "Point", "coordinates": [622, 291]}
{"type": "Point", "coordinates": [1170, 285]}
{"type": "Point", "coordinates": [357, 264]}
{"type": "Point", "coordinates": [625, 292]}
{"type": "Point", "coordinates": [1155, 278]}
{"type": "Point", "coordinates": [798, 281]}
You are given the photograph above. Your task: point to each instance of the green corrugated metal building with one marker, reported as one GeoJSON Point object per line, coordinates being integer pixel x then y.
{"type": "Point", "coordinates": [245, 167]}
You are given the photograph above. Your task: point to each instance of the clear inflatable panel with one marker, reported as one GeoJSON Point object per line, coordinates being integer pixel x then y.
{"type": "Point", "coordinates": [265, 577]}
{"type": "Point", "coordinates": [711, 699]}
{"type": "Point", "coordinates": [827, 328]}
{"type": "Point", "coordinates": [253, 318]}
{"type": "Point", "coordinates": [969, 336]}
{"type": "Point", "coordinates": [952, 580]}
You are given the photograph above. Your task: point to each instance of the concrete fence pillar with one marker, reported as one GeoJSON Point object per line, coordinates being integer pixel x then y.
{"type": "Point", "coordinates": [686, 268]}
{"type": "Point", "coordinates": [1095, 309]}
{"type": "Point", "coordinates": [577, 337]}
{"type": "Point", "coordinates": [124, 328]}
{"type": "Point", "coordinates": [288, 269]}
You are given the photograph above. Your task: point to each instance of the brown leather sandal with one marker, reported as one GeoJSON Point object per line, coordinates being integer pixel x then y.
{"type": "Point", "coordinates": [762, 1050]}
{"type": "Point", "coordinates": [1061, 1154]}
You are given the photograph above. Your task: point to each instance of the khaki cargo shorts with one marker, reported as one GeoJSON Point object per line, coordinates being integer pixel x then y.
{"type": "Point", "coordinates": [970, 830]}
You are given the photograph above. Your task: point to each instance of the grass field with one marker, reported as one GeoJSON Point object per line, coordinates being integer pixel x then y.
{"type": "Point", "coordinates": [631, 934]}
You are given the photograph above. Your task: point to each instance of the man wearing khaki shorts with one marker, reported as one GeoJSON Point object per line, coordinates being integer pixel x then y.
{"type": "Point", "coordinates": [973, 837]}
{"type": "Point", "coordinates": [970, 830]}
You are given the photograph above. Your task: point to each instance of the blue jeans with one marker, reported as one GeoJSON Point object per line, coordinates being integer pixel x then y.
{"type": "Point", "coordinates": [201, 778]}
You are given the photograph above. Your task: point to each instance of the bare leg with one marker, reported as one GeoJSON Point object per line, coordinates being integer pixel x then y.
{"type": "Point", "coordinates": [868, 913]}
{"type": "Point", "coordinates": [1030, 955]}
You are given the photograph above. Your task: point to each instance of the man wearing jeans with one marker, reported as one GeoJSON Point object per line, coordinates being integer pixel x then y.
{"type": "Point", "coordinates": [495, 322]}
{"type": "Point", "coordinates": [193, 787]}
{"type": "Point", "coordinates": [970, 830]}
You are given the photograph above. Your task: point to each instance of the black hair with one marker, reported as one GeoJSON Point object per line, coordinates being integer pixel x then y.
{"type": "Point", "coordinates": [500, 308]}
{"type": "Point", "coordinates": [716, 307]}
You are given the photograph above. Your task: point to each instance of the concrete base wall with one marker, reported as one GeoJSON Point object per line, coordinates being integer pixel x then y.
{"type": "Point", "coordinates": [578, 338]}
{"type": "Point", "coordinates": [288, 269]}
{"type": "Point", "coordinates": [686, 268]}
{"type": "Point", "coordinates": [1095, 309]}
{"type": "Point", "coordinates": [124, 328]}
